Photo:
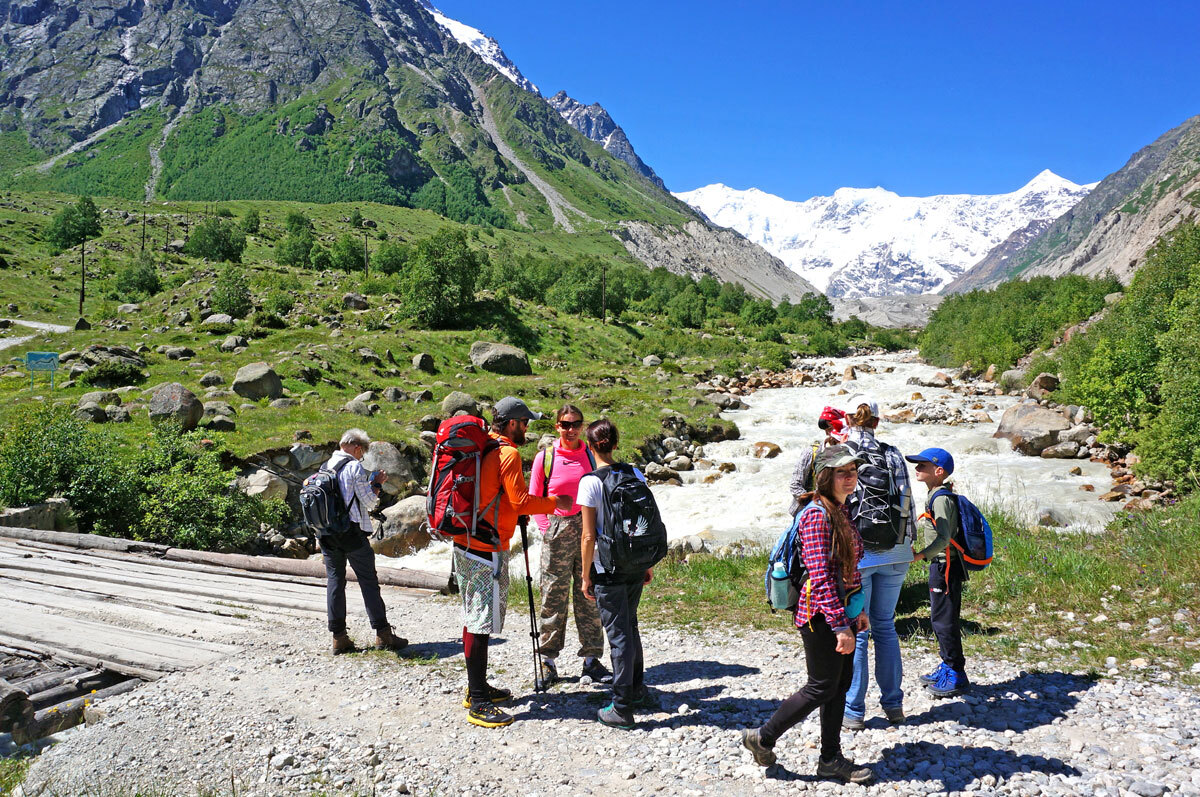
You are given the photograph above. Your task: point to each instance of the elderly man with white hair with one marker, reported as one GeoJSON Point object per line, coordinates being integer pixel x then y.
{"type": "Point", "coordinates": [360, 491]}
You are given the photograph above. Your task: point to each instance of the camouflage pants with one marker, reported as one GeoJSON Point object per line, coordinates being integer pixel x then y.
{"type": "Point", "coordinates": [562, 580]}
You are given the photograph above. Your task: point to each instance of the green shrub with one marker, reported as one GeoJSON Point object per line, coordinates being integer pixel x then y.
{"type": "Point", "coordinates": [440, 279]}
{"type": "Point", "coordinates": [688, 309]}
{"type": "Point", "coordinates": [356, 219]}
{"type": "Point", "coordinates": [250, 222]}
{"type": "Point", "coordinates": [295, 249]}
{"type": "Point", "coordinates": [279, 303]}
{"type": "Point", "coordinates": [391, 258]}
{"type": "Point", "coordinates": [347, 254]}
{"type": "Point", "coordinates": [138, 279]}
{"type": "Point", "coordinates": [112, 373]}
{"type": "Point", "coordinates": [319, 258]}
{"type": "Point", "coordinates": [854, 328]}
{"type": "Point", "coordinates": [231, 294]}
{"type": "Point", "coordinates": [216, 239]}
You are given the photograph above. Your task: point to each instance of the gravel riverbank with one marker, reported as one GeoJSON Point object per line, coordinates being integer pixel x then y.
{"type": "Point", "coordinates": [286, 717]}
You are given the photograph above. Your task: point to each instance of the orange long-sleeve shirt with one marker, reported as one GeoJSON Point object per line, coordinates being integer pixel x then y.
{"type": "Point", "coordinates": [502, 470]}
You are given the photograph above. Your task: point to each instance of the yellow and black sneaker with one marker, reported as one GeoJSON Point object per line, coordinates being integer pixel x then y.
{"type": "Point", "coordinates": [494, 695]}
{"type": "Point", "coordinates": [486, 715]}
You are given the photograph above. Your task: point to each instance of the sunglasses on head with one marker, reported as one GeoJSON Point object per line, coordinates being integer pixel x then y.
{"type": "Point", "coordinates": [570, 424]}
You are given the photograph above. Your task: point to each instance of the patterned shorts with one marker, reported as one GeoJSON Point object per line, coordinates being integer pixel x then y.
{"type": "Point", "coordinates": [483, 583]}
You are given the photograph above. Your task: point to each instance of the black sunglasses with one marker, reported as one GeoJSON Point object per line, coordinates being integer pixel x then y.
{"type": "Point", "coordinates": [570, 424]}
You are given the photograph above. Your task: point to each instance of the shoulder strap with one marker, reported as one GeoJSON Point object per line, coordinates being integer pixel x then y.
{"type": "Point", "coordinates": [591, 457]}
{"type": "Point", "coordinates": [812, 467]}
{"type": "Point", "coordinates": [547, 455]}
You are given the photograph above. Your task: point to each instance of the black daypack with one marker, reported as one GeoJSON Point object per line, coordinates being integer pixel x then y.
{"type": "Point", "coordinates": [630, 535]}
{"type": "Point", "coordinates": [877, 505]}
{"type": "Point", "coordinates": [321, 504]}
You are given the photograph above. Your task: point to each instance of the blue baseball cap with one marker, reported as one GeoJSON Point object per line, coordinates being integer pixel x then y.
{"type": "Point", "coordinates": [939, 457]}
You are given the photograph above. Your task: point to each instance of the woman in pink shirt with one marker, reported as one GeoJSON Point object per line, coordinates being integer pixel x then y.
{"type": "Point", "coordinates": [557, 470]}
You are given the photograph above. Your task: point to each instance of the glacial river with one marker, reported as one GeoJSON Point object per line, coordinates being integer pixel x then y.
{"type": "Point", "coordinates": [752, 501]}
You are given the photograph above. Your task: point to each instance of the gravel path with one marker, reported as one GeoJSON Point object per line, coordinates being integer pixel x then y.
{"type": "Point", "coordinates": [6, 343]}
{"type": "Point", "coordinates": [286, 717]}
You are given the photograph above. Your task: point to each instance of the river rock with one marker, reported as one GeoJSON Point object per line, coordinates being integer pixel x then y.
{"type": "Point", "coordinates": [990, 374]}
{"type": "Point", "coordinates": [1031, 428]}
{"type": "Point", "coordinates": [765, 450]}
{"type": "Point", "coordinates": [233, 343]}
{"type": "Point", "coordinates": [355, 301]}
{"type": "Point", "coordinates": [458, 401]}
{"type": "Point", "coordinates": [1064, 450]}
{"type": "Point", "coordinates": [680, 464]}
{"type": "Point", "coordinates": [404, 530]}
{"type": "Point", "coordinates": [1077, 434]}
{"type": "Point", "coordinates": [661, 473]}
{"type": "Point", "coordinates": [850, 374]}
{"type": "Point", "coordinates": [1051, 517]}
{"type": "Point", "coordinates": [101, 397]}
{"type": "Point", "coordinates": [500, 358]}
{"type": "Point", "coordinates": [265, 485]}
{"type": "Point", "coordinates": [652, 361]}
{"type": "Point", "coordinates": [423, 362]}
{"type": "Point", "coordinates": [1012, 378]}
{"type": "Point", "coordinates": [1042, 385]}
{"type": "Point", "coordinates": [175, 403]}
{"type": "Point", "coordinates": [257, 381]}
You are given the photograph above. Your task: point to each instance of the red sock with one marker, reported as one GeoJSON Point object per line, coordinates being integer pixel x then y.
{"type": "Point", "coordinates": [475, 651]}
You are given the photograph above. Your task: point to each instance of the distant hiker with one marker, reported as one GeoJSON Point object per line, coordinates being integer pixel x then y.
{"type": "Point", "coordinates": [557, 469]}
{"type": "Point", "coordinates": [481, 568]}
{"type": "Point", "coordinates": [881, 508]}
{"type": "Point", "coordinates": [832, 422]}
{"type": "Point", "coordinates": [623, 538]}
{"type": "Point", "coordinates": [947, 573]}
{"type": "Point", "coordinates": [359, 492]}
{"type": "Point", "coordinates": [830, 549]}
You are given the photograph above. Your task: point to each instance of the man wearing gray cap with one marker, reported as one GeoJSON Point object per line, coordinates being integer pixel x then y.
{"type": "Point", "coordinates": [481, 569]}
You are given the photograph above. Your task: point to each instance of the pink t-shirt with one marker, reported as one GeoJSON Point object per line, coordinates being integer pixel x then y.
{"type": "Point", "coordinates": [569, 468]}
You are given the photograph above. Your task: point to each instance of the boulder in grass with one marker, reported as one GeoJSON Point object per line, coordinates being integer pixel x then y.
{"type": "Point", "coordinates": [233, 343]}
{"type": "Point", "coordinates": [117, 414]}
{"type": "Point", "coordinates": [394, 394]}
{"type": "Point", "coordinates": [355, 301]}
{"type": "Point", "coordinates": [101, 397]}
{"type": "Point", "coordinates": [90, 412]}
{"type": "Point", "coordinates": [500, 358]}
{"type": "Point", "coordinates": [174, 403]}
{"type": "Point", "coordinates": [218, 320]}
{"type": "Point", "coordinates": [651, 361]}
{"type": "Point", "coordinates": [357, 407]}
{"type": "Point", "coordinates": [257, 381]}
{"type": "Point", "coordinates": [211, 379]}
{"type": "Point", "coordinates": [424, 362]}
{"type": "Point", "coordinates": [457, 402]}
{"type": "Point", "coordinates": [220, 423]}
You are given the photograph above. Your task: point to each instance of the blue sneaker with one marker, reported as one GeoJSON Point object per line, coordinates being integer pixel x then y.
{"type": "Point", "coordinates": [951, 684]}
{"type": "Point", "coordinates": [935, 676]}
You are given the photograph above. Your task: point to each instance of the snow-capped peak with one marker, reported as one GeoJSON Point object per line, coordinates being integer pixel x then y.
{"type": "Point", "coordinates": [484, 46]}
{"type": "Point", "coordinates": [873, 242]}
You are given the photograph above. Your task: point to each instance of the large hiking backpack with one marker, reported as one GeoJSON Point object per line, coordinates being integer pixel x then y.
{"type": "Point", "coordinates": [973, 538]}
{"type": "Point", "coordinates": [877, 505]}
{"type": "Point", "coordinates": [452, 500]}
{"type": "Point", "coordinates": [321, 504]}
{"type": "Point", "coordinates": [631, 537]}
{"type": "Point", "coordinates": [548, 465]}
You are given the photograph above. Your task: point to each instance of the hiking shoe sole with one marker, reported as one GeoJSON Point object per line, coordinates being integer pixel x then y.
{"type": "Point", "coordinates": [845, 771]}
{"type": "Point", "coordinates": [489, 717]}
{"type": "Point", "coordinates": [763, 756]}
{"type": "Point", "coordinates": [954, 691]}
{"type": "Point", "coordinates": [854, 723]}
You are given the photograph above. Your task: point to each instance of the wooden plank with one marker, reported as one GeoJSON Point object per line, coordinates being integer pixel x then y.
{"type": "Point", "coordinates": [66, 715]}
{"type": "Point", "coordinates": [39, 683]}
{"type": "Point", "coordinates": [82, 540]}
{"type": "Point", "coordinates": [130, 646]}
{"type": "Point", "coordinates": [23, 647]}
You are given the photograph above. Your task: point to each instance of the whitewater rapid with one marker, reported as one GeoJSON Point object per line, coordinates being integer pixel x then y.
{"type": "Point", "coordinates": [752, 501]}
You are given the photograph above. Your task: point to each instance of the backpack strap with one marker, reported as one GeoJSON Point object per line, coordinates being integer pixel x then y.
{"type": "Point", "coordinates": [816, 449]}
{"type": "Point", "coordinates": [547, 468]}
{"type": "Point", "coordinates": [337, 475]}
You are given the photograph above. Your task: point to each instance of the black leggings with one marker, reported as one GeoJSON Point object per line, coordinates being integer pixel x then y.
{"type": "Point", "coordinates": [829, 676]}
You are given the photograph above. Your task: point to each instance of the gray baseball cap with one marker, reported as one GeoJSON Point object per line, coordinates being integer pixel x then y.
{"type": "Point", "coordinates": [511, 408]}
{"type": "Point", "coordinates": [835, 457]}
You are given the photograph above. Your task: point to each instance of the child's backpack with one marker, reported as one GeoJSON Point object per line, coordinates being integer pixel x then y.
{"type": "Point", "coordinates": [548, 465]}
{"type": "Point", "coordinates": [786, 553]}
{"type": "Point", "coordinates": [452, 500]}
{"type": "Point", "coordinates": [973, 539]}
{"type": "Point", "coordinates": [877, 505]}
{"type": "Point", "coordinates": [322, 507]}
{"type": "Point", "coordinates": [631, 537]}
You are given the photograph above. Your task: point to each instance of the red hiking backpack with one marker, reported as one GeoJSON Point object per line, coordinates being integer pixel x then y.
{"type": "Point", "coordinates": [452, 501]}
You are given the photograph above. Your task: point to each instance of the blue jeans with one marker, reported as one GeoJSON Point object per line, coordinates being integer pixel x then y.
{"type": "Point", "coordinates": [881, 591]}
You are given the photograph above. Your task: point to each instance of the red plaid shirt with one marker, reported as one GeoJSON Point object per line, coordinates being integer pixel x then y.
{"type": "Point", "coordinates": [816, 539]}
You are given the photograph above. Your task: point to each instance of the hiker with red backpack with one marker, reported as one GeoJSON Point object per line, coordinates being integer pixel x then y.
{"type": "Point", "coordinates": [557, 469]}
{"type": "Point", "coordinates": [882, 511]}
{"type": "Point", "coordinates": [623, 539]}
{"type": "Point", "coordinates": [476, 492]}
{"type": "Point", "coordinates": [962, 542]}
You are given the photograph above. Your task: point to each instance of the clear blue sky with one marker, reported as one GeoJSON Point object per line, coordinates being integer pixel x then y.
{"type": "Point", "coordinates": [800, 97]}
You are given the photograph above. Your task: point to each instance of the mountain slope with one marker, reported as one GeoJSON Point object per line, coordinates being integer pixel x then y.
{"type": "Point", "coordinates": [596, 123]}
{"type": "Point", "coordinates": [310, 100]}
{"type": "Point", "coordinates": [872, 242]}
{"type": "Point", "coordinates": [1110, 229]}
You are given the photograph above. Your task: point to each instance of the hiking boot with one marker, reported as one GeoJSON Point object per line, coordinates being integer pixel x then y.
{"type": "Point", "coordinates": [486, 715]}
{"type": "Point", "coordinates": [951, 684]}
{"type": "Point", "coordinates": [852, 723]}
{"type": "Point", "coordinates": [597, 672]}
{"type": "Point", "coordinates": [386, 640]}
{"type": "Point", "coordinates": [935, 676]}
{"type": "Point", "coordinates": [843, 769]}
{"type": "Point", "coordinates": [647, 700]}
{"type": "Point", "coordinates": [494, 695]}
{"type": "Point", "coordinates": [615, 719]}
{"type": "Point", "coordinates": [548, 678]}
{"type": "Point", "coordinates": [895, 715]}
{"type": "Point", "coordinates": [763, 756]}
{"type": "Point", "coordinates": [342, 643]}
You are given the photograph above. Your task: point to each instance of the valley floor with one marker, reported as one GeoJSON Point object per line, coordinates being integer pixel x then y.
{"type": "Point", "coordinates": [285, 717]}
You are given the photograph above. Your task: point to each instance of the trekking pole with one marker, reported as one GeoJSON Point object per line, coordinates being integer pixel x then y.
{"type": "Point", "coordinates": [539, 679]}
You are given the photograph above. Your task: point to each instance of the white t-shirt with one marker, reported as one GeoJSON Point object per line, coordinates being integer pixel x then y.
{"type": "Point", "coordinates": [591, 491]}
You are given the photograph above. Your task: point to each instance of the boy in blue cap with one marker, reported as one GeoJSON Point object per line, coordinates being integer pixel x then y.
{"type": "Point", "coordinates": [946, 573]}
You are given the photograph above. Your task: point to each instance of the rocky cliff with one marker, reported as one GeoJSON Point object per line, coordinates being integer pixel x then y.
{"type": "Point", "coordinates": [1111, 228]}
{"type": "Point", "coordinates": [596, 123]}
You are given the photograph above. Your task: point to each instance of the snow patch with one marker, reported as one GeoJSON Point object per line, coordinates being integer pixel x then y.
{"type": "Point", "coordinates": [484, 46]}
